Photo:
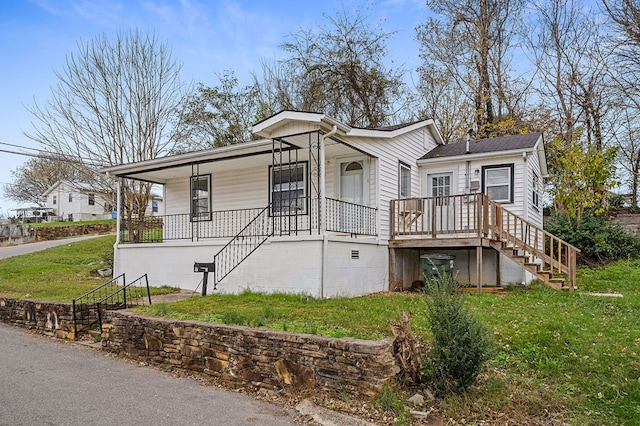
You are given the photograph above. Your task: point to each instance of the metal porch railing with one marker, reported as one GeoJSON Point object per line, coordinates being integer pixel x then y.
{"type": "Point", "coordinates": [114, 294]}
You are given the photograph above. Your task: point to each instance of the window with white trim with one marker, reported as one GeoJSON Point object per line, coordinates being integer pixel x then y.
{"type": "Point", "coordinates": [201, 197]}
{"type": "Point", "coordinates": [288, 193]}
{"type": "Point", "coordinates": [92, 199]}
{"type": "Point", "coordinates": [498, 182]}
{"type": "Point", "coordinates": [71, 197]}
{"type": "Point", "coordinates": [535, 190]}
{"type": "Point", "coordinates": [55, 200]}
{"type": "Point", "coordinates": [404, 180]}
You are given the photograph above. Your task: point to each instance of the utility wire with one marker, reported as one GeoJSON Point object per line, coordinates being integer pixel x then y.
{"type": "Point", "coordinates": [51, 156]}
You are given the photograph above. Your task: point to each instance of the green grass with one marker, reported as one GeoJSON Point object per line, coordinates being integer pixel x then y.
{"type": "Point", "coordinates": [58, 274]}
{"type": "Point", "coordinates": [571, 357]}
{"type": "Point", "coordinates": [84, 222]}
{"type": "Point", "coordinates": [564, 356]}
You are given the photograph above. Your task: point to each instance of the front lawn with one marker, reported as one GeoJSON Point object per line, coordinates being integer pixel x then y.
{"type": "Point", "coordinates": [560, 356]}
{"type": "Point", "coordinates": [58, 274]}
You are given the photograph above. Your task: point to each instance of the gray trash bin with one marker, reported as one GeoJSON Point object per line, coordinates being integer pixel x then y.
{"type": "Point", "coordinates": [434, 265]}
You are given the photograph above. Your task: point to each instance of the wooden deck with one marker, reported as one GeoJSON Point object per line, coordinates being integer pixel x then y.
{"type": "Point", "coordinates": [474, 221]}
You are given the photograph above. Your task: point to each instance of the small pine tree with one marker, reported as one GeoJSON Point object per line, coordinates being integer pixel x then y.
{"type": "Point", "coordinates": [461, 344]}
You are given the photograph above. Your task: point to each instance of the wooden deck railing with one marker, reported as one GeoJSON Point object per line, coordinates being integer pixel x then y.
{"type": "Point", "coordinates": [474, 215]}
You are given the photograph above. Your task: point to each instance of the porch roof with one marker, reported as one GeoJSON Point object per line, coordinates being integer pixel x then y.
{"type": "Point", "coordinates": [159, 170]}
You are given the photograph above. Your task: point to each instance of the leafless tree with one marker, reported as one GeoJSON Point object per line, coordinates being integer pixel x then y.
{"type": "Point", "coordinates": [471, 43]}
{"type": "Point", "coordinates": [114, 103]}
{"type": "Point", "coordinates": [32, 179]}
{"type": "Point", "coordinates": [338, 69]}
{"type": "Point", "coordinates": [625, 67]}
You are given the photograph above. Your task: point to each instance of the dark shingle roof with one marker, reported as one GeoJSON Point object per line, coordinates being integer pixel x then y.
{"type": "Point", "coordinates": [503, 143]}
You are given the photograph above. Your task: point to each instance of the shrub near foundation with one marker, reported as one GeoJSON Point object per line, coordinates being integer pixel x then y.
{"type": "Point", "coordinates": [461, 344]}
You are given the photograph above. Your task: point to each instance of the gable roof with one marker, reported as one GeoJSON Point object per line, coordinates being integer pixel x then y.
{"type": "Point", "coordinates": [265, 127]}
{"type": "Point", "coordinates": [483, 146]}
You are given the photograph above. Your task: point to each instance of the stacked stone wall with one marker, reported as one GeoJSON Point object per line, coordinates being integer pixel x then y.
{"type": "Point", "coordinates": [631, 222]}
{"type": "Point", "coordinates": [48, 318]}
{"type": "Point", "coordinates": [263, 358]}
{"type": "Point", "coordinates": [57, 232]}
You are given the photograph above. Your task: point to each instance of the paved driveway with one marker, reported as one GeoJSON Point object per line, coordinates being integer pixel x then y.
{"type": "Point", "coordinates": [11, 251]}
{"type": "Point", "coordinates": [47, 382]}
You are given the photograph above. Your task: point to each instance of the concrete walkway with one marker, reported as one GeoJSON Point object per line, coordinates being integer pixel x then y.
{"type": "Point", "coordinates": [11, 251]}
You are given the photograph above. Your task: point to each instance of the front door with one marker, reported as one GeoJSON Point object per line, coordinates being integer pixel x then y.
{"type": "Point", "coordinates": [439, 187]}
{"type": "Point", "coordinates": [352, 193]}
{"type": "Point", "coordinates": [352, 181]}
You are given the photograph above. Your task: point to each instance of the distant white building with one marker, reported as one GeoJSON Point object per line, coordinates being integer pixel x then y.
{"type": "Point", "coordinates": [74, 202]}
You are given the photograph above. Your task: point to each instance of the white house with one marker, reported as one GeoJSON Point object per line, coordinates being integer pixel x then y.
{"type": "Point", "coordinates": [77, 201]}
{"type": "Point", "coordinates": [318, 207]}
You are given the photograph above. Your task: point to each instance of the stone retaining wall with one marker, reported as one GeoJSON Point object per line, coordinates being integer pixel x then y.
{"type": "Point", "coordinates": [630, 222]}
{"type": "Point", "coordinates": [263, 358]}
{"type": "Point", "coordinates": [48, 318]}
{"type": "Point", "coordinates": [57, 232]}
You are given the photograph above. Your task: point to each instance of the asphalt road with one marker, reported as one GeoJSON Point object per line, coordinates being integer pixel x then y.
{"type": "Point", "coordinates": [11, 251]}
{"type": "Point", "coordinates": [47, 382]}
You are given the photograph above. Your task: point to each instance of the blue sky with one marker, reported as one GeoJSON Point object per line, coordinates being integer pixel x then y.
{"type": "Point", "coordinates": [207, 36]}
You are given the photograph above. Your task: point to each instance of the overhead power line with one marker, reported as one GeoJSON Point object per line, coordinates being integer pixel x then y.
{"type": "Point", "coordinates": [47, 155]}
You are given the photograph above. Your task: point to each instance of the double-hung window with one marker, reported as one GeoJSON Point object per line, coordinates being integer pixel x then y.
{"type": "Point", "coordinates": [404, 183]}
{"type": "Point", "coordinates": [92, 199]}
{"type": "Point", "coordinates": [288, 194]}
{"type": "Point", "coordinates": [535, 186]}
{"type": "Point", "coordinates": [498, 182]}
{"type": "Point", "coordinates": [201, 197]}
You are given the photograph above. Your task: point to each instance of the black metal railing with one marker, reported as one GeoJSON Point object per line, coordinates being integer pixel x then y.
{"type": "Point", "coordinates": [252, 236]}
{"type": "Point", "coordinates": [135, 293]}
{"type": "Point", "coordinates": [156, 229]}
{"type": "Point", "coordinates": [342, 217]}
{"type": "Point", "coordinates": [114, 294]}
{"type": "Point", "coordinates": [354, 219]}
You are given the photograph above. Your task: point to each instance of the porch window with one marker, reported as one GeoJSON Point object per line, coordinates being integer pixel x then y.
{"type": "Point", "coordinates": [201, 197]}
{"type": "Point", "coordinates": [154, 206]}
{"type": "Point", "coordinates": [498, 182]}
{"type": "Point", "coordinates": [535, 186]}
{"type": "Point", "coordinates": [288, 183]}
{"type": "Point", "coordinates": [404, 184]}
{"type": "Point", "coordinates": [92, 199]}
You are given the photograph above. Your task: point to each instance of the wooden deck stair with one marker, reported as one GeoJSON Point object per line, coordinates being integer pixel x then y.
{"type": "Point", "coordinates": [473, 219]}
{"type": "Point", "coordinates": [541, 271]}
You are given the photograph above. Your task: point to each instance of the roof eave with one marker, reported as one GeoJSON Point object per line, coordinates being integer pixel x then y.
{"type": "Point", "coordinates": [466, 156]}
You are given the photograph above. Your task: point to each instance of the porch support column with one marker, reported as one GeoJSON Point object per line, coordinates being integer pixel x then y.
{"type": "Point", "coordinates": [116, 263]}
{"type": "Point", "coordinates": [322, 207]}
{"type": "Point", "coordinates": [479, 266]}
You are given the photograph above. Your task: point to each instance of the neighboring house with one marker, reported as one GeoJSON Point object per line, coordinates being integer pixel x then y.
{"type": "Point", "coordinates": [321, 208]}
{"type": "Point", "coordinates": [76, 201]}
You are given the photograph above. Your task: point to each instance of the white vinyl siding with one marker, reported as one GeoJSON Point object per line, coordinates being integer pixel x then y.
{"type": "Point", "coordinates": [384, 167]}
